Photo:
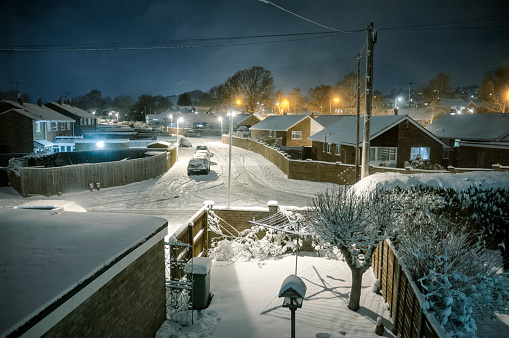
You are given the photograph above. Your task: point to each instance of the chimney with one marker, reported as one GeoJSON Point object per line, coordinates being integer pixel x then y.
{"type": "Point", "coordinates": [59, 99]}
{"type": "Point", "coordinates": [39, 101]}
{"type": "Point", "coordinates": [20, 99]}
{"type": "Point", "coordinates": [71, 102]}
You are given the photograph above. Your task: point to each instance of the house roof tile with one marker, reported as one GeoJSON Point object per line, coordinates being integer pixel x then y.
{"type": "Point", "coordinates": [278, 122]}
{"type": "Point", "coordinates": [476, 127]}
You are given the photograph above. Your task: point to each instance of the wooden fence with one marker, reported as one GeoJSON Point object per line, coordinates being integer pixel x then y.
{"type": "Point", "coordinates": [195, 232]}
{"type": "Point", "coordinates": [403, 296]}
{"type": "Point", "coordinates": [55, 180]}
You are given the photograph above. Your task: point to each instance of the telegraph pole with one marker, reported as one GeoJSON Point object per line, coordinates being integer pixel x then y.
{"type": "Point", "coordinates": [358, 116]}
{"type": "Point", "coordinates": [369, 99]}
{"type": "Point", "coordinates": [409, 97]}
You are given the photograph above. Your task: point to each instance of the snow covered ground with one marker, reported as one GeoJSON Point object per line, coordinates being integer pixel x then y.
{"type": "Point", "coordinates": [246, 303]}
{"type": "Point", "coordinates": [176, 196]}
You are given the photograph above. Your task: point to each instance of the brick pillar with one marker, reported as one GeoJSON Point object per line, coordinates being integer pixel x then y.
{"type": "Point", "coordinates": [273, 207]}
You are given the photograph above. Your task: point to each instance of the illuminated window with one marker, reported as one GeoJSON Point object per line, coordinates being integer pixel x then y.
{"type": "Point", "coordinates": [422, 152]}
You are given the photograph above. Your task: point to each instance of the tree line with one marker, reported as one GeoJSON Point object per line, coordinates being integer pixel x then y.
{"type": "Point", "coordinates": [252, 90]}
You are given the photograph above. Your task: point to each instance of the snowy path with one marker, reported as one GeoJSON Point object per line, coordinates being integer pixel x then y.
{"type": "Point", "coordinates": [176, 196]}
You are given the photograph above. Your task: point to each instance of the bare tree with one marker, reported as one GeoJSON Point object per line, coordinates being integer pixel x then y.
{"type": "Point", "coordinates": [355, 224]}
{"type": "Point", "coordinates": [495, 89]}
{"type": "Point", "coordinates": [437, 87]}
{"type": "Point", "coordinates": [320, 98]}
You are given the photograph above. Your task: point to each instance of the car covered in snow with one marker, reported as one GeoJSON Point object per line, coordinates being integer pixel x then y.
{"type": "Point", "coordinates": [202, 154]}
{"type": "Point", "coordinates": [57, 205]}
{"type": "Point", "coordinates": [185, 142]}
{"type": "Point", "coordinates": [198, 166]}
{"type": "Point", "coordinates": [202, 148]}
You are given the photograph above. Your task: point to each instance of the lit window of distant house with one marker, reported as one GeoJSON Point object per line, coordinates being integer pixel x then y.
{"type": "Point", "coordinates": [423, 152]}
{"type": "Point", "coordinates": [89, 121]}
{"type": "Point", "coordinates": [338, 149]}
{"type": "Point", "coordinates": [55, 126]}
{"type": "Point", "coordinates": [38, 126]}
{"type": "Point", "coordinates": [457, 142]}
{"type": "Point", "coordinates": [296, 135]}
{"type": "Point", "coordinates": [383, 154]}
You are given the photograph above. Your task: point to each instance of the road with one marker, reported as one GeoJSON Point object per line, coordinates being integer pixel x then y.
{"type": "Point", "coordinates": [177, 196]}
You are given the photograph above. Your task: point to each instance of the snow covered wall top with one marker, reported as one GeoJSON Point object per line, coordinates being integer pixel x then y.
{"type": "Point", "coordinates": [457, 182]}
{"type": "Point", "coordinates": [45, 254]}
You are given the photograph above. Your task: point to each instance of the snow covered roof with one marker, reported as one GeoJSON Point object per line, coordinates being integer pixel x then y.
{"type": "Point", "coordinates": [344, 131]}
{"type": "Point", "coordinates": [475, 127]}
{"type": "Point", "coordinates": [278, 122]}
{"type": "Point", "coordinates": [42, 144]}
{"type": "Point", "coordinates": [326, 120]}
{"type": "Point", "coordinates": [45, 254]}
{"type": "Point", "coordinates": [35, 112]}
{"type": "Point", "coordinates": [71, 109]}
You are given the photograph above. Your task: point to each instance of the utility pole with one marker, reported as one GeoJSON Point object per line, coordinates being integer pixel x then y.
{"type": "Point", "coordinates": [369, 99]}
{"type": "Point", "coordinates": [358, 116]}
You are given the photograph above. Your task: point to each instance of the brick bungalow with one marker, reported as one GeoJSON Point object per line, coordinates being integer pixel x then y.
{"type": "Point", "coordinates": [293, 130]}
{"type": "Point", "coordinates": [394, 139]}
{"type": "Point", "coordinates": [27, 128]}
{"type": "Point", "coordinates": [476, 140]}
{"type": "Point", "coordinates": [246, 120]}
{"type": "Point", "coordinates": [84, 122]}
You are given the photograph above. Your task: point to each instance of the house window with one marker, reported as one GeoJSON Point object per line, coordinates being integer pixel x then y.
{"type": "Point", "coordinates": [338, 149]}
{"type": "Point", "coordinates": [272, 133]}
{"type": "Point", "coordinates": [329, 146]}
{"type": "Point", "coordinates": [69, 148]}
{"type": "Point", "coordinates": [38, 126]}
{"type": "Point", "coordinates": [457, 142]}
{"type": "Point", "coordinates": [89, 121]}
{"type": "Point", "coordinates": [48, 126]}
{"type": "Point", "coordinates": [68, 125]}
{"type": "Point", "coordinates": [423, 152]}
{"type": "Point", "coordinates": [296, 135]}
{"type": "Point", "coordinates": [55, 126]}
{"type": "Point", "coordinates": [62, 149]}
{"type": "Point", "coordinates": [383, 154]}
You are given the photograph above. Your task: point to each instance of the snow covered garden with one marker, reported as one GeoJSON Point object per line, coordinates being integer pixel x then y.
{"type": "Point", "coordinates": [450, 232]}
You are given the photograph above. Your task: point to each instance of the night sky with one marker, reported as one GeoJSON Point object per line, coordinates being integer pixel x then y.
{"type": "Point", "coordinates": [171, 47]}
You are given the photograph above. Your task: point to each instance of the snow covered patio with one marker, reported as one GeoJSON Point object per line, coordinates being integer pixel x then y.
{"type": "Point", "coordinates": [245, 302]}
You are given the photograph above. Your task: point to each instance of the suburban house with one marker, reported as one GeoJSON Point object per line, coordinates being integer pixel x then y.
{"type": "Point", "coordinates": [292, 130]}
{"type": "Point", "coordinates": [84, 122]}
{"type": "Point", "coordinates": [476, 140]}
{"type": "Point", "coordinates": [244, 120]}
{"type": "Point", "coordinates": [28, 128]}
{"type": "Point", "coordinates": [81, 274]}
{"type": "Point", "coordinates": [394, 139]}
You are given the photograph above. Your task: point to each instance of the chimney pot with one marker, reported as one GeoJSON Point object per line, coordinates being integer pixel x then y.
{"type": "Point", "coordinates": [39, 101]}
{"type": "Point", "coordinates": [20, 99]}
{"type": "Point", "coordinates": [59, 99]}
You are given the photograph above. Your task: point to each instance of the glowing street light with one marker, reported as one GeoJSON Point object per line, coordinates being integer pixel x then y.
{"type": "Point", "coordinates": [231, 115]}
{"type": "Point", "coordinates": [396, 107]}
{"type": "Point", "coordinates": [336, 99]}
{"type": "Point", "coordinates": [116, 114]}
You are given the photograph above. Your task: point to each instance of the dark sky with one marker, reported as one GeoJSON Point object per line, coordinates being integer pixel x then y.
{"type": "Point", "coordinates": [170, 47]}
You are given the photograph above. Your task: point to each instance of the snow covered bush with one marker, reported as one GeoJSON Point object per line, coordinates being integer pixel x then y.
{"type": "Point", "coordinates": [447, 256]}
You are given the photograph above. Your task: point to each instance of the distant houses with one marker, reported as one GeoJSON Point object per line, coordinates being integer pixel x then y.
{"type": "Point", "coordinates": [292, 130]}
{"type": "Point", "coordinates": [475, 140]}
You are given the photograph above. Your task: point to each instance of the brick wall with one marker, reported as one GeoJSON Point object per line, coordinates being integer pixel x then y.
{"type": "Point", "coordinates": [478, 157]}
{"type": "Point", "coordinates": [132, 304]}
{"type": "Point", "coordinates": [410, 136]}
{"type": "Point", "coordinates": [305, 127]}
{"type": "Point", "coordinates": [16, 133]}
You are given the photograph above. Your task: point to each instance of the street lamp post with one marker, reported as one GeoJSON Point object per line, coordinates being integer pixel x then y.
{"type": "Point", "coordinates": [180, 119]}
{"type": "Point", "coordinates": [109, 117]}
{"type": "Point", "coordinates": [232, 114]}
{"type": "Point", "coordinates": [396, 107]}
{"type": "Point", "coordinates": [221, 121]}
{"type": "Point", "coordinates": [116, 114]}
{"type": "Point", "coordinates": [330, 104]}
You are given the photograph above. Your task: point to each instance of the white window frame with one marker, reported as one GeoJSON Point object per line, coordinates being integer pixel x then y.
{"type": "Point", "coordinates": [37, 126]}
{"type": "Point", "coordinates": [393, 155]}
{"type": "Point", "coordinates": [338, 149]}
{"type": "Point", "coordinates": [296, 135]}
{"type": "Point", "coordinates": [55, 126]}
{"type": "Point", "coordinates": [329, 146]}
{"type": "Point", "coordinates": [272, 133]}
{"type": "Point", "coordinates": [48, 126]}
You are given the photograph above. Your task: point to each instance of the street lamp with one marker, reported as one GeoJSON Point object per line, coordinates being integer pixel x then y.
{"type": "Point", "coordinates": [116, 114]}
{"type": "Point", "coordinates": [180, 119]}
{"type": "Point", "coordinates": [330, 104]}
{"type": "Point", "coordinates": [231, 114]}
{"type": "Point", "coordinates": [221, 121]}
{"type": "Point", "coordinates": [293, 290]}
{"type": "Point", "coordinates": [396, 107]}
{"type": "Point", "coordinates": [109, 117]}
{"type": "Point", "coordinates": [287, 104]}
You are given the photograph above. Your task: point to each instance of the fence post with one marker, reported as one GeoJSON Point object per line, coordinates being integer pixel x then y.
{"type": "Point", "coordinates": [395, 313]}
{"type": "Point", "coordinates": [191, 237]}
{"type": "Point", "coordinates": [419, 327]}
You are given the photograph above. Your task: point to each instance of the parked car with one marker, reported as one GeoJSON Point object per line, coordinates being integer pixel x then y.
{"type": "Point", "coordinates": [191, 133]}
{"type": "Point", "coordinates": [198, 165]}
{"type": "Point", "coordinates": [203, 154]}
{"type": "Point", "coordinates": [185, 142]}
